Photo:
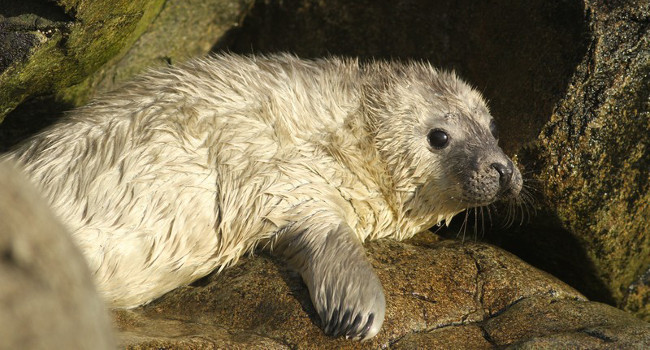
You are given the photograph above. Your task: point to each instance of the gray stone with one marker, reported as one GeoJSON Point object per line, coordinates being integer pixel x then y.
{"type": "Point", "coordinates": [47, 295]}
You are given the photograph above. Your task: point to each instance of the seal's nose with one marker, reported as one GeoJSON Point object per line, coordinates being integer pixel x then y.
{"type": "Point", "coordinates": [505, 174]}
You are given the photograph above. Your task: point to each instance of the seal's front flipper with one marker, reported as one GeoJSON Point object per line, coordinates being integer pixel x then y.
{"type": "Point", "coordinates": [343, 286]}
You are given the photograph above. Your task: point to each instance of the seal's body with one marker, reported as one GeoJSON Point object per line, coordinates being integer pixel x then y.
{"type": "Point", "coordinates": [186, 169]}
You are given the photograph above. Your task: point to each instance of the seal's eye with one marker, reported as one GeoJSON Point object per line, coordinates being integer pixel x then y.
{"type": "Point", "coordinates": [438, 138]}
{"type": "Point", "coordinates": [494, 130]}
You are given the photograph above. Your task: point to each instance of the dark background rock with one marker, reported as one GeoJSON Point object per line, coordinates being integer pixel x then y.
{"type": "Point", "coordinates": [47, 297]}
{"type": "Point", "coordinates": [594, 154]}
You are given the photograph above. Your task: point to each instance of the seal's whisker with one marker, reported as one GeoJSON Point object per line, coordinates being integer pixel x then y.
{"type": "Point", "coordinates": [463, 226]}
{"type": "Point", "coordinates": [527, 202]}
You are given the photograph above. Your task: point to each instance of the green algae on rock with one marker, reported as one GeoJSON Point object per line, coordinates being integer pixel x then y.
{"type": "Point", "coordinates": [595, 151]}
{"type": "Point", "coordinates": [95, 31]}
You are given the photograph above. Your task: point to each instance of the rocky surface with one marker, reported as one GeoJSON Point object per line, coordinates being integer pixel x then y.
{"type": "Point", "coordinates": [47, 298]}
{"type": "Point", "coordinates": [56, 55]}
{"type": "Point", "coordinates": [594, 154]}
{"type": "Point", "coordinates": [181, 30]}
{"type": "Point", "coordinates": [69, 41]}
{"type": "Point", "coordinates": [439, 294]}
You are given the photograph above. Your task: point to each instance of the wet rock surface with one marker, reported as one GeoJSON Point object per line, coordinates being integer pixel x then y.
{"type": "Point", "coordinates": [439, 294]}
{"type": "Point", "coordinates": [593, 157]}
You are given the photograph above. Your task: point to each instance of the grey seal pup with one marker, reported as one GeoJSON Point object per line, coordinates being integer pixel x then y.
{"type": "Point", "coordinates": [185, 169]}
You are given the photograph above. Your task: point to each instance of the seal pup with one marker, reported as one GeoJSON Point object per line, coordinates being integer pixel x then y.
{"type": "Point", "coordinates": [185, 169]}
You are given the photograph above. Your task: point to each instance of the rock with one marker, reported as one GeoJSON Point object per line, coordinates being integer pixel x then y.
{"type": "Point", "coordinates": [56, 55]}
{"type": "Point", "coordinates": [543, 323]}
{"type": "Point", "coordinates": [183, 29]}
{"type": "Point", "coordinates": [439, 294]}
{"type": "Point", "coordinates": [593, 158]}
{"type": "Point", "coordinates": [75, 39]}
{"type": "Point", "coordinates": [637, 297]}
{"type": "Point", "coordinates": [47, 295]}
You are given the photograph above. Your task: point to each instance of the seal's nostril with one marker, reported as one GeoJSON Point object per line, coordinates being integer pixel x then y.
{"type": "Point", "coordinates": [505, 173]}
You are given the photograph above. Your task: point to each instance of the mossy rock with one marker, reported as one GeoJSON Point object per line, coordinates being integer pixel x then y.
{"type": "Point", "coordinates": [70, 41]}
{"type": "Point", "coordinates": [56, 55]}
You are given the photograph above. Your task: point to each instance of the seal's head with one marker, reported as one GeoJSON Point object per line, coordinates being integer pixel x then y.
{"type": "Point", "coordinates": [439, 141]}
